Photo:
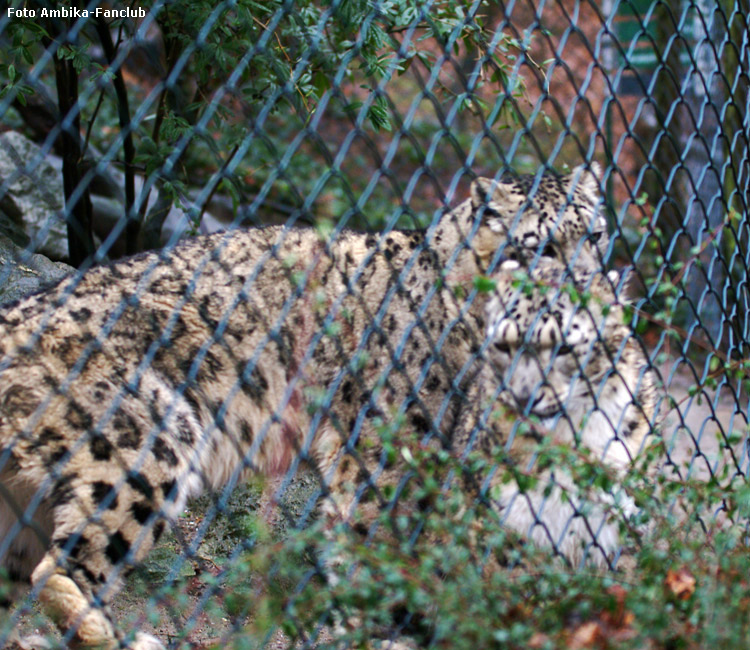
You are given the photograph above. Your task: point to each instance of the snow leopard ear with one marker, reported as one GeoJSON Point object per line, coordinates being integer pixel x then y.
{"type": "Point", "coordinates": [584, 184]}
{"type": "Point", "coordinates": [487, 191]}
{"type": "Point", "coordinates": [584, 181]}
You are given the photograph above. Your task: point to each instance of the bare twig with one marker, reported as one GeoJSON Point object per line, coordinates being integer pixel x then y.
{"type": "Point", "coordinates": [123, 111]}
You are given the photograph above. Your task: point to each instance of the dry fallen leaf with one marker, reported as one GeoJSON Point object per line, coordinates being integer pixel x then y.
{"type": "Point", "coordinates": [537, 640]}
{"type": "Point", "coordinates": [586, 635]}
{"type": "Point", "coordinates": [681, 583]}
{"type": "Point", "coordinates": [620, 617]}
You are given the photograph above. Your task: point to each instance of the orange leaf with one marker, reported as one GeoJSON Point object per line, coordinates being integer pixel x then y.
{"type": "Point", "coordinates": [620, 617]}
{"type": "Point", "coordinates": [681, 583]}
{"type": "Point", "coordinates": [586, 635]}
{"type": "Point", "coordinates": [537, 640]}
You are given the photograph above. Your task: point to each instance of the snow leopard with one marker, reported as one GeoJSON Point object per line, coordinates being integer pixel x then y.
{"type": "Point", "coordinates": [566, 367]}
{"type": "Point", "coordinates": [129, 388]}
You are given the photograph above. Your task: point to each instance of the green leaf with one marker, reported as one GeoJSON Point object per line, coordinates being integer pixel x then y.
{"type": "Point", "coordinates": [484, 284]}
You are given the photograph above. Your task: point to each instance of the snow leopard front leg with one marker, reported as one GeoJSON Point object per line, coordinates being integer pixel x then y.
{"type": "Point", "coordinates": [78, 612]}
{"type": "Point", "coordinates": [124, 469]}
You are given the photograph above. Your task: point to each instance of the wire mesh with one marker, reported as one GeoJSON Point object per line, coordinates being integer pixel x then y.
{"type": "Point", "coordinates": [377, 280]}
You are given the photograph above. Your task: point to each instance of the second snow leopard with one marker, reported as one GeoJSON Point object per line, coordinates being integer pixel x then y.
{"type": "Point", "coordinates": [129, 388]}
{"type": "Point", "coordinates": [573, 371]}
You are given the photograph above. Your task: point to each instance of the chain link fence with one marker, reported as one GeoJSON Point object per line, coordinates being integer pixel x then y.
{"type": "Point", "coordinates": [421, 187]}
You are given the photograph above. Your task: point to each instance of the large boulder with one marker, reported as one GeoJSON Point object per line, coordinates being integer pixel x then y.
{"type": "Point", "coordinates": [32, 202]}
{"type": "Point", "coordinates": [31, 196]}
{"type": "Point", "coordinates": [22, 273]}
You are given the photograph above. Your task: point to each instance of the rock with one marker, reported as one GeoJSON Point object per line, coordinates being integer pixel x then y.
{"type": "Point", "coordinates": [106, 181]}
{"type": "Point", "coordinates": [32, 203]}
{"type": "Point", "coordinates": [31, 195]}
{"type": "Point", "coordinates": [107, 211]}
{"type": "Point", "coordinates": [13, 230]}
{"type": "Point", "coordinates": [22, 273]}
{"type": "Point", "coordinates": [221, 210]}
{"type": "Point", "coordinates": [178, 224]}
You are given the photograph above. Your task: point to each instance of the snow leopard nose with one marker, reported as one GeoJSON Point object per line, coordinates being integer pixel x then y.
{"type": "Point", "coordinates": [529, 396]}
{"type": "Point", "coordinates": [528, 393]}
{"type": "Point", "coordinates": [523, 393]}
{"type": "Point", "coordinates": [527, 385]}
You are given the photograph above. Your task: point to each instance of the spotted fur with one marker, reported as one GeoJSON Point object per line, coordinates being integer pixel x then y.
{"type": "Point", "coordinates": [129, 388]}
{"type": "Point", "coordinates": [573, 370]}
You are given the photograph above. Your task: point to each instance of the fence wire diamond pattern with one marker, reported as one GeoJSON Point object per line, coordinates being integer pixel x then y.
{"type": "Point", "coordinates": [375, 310]}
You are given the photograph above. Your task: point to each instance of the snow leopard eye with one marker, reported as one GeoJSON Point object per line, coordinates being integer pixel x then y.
{"type": "Point", "coordinates": [501, 346]}
{"type": "Point", "coordinates": [564, 349]}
